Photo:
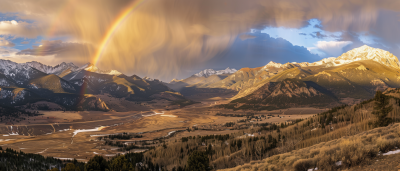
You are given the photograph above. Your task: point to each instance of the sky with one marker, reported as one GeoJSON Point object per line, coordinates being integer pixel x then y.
{"type": "Point", "coordinates": [168, 39]}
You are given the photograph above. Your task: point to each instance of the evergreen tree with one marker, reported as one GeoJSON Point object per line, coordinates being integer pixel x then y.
{"type": "Point", "coordinates": [97, 163]}
{"type": "Point", "coordinates": [382, 109]}
{"type": "Point", "coordinates": [198, 161]}
{"type": "Point", "coordinates": [120, 163]}
{"type": "Point", "coordinates": [70, 167]}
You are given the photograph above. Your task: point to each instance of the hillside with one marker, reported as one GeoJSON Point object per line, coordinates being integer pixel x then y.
{"type": "Point", "coordinates": [51, 83]}
{"type": "Point", "coordinates": [355, 75]}
{"type": "Point", "coordinates": [350, 135]}
{"type": "Point", "coordinates": [287, 93]}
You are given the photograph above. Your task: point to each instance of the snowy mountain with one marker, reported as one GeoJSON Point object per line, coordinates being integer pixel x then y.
{"type": "Point", "coordinates": [82, 72]}
{"type": "Point", "coordinates": [19, 73]}
{"type": "Point", "coordinates": [362, 53]}
{"type": "Point", "coordinates": [356, 74]}
{"type": "Point", "coordinates": [368, 53]}
{"type": "Point", "coordinates": [92, 68]}
{"type": "Point", "coordinates": [209, 72]}
{"type": "Point", "coordinates": [57, 70]}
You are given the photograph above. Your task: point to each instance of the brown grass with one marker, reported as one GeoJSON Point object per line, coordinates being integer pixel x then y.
{"type": "Point", "coordinates": [352, 151]}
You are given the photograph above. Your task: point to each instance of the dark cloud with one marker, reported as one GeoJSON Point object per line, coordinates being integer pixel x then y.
{"type": "Point", "coordinates": [303, 34]}
{"type": "Point", "coordinates": [318, 35]}
{"type": "Point", "coordinates": [171, 34]}
{"type": "Point", "coordinates": [77, 52]}
{"type": "Point", "coordinates": [259, 51]}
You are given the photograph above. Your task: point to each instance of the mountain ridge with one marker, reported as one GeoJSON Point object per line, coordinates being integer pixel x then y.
{"type": "Point", "coordinates": [209, 72]}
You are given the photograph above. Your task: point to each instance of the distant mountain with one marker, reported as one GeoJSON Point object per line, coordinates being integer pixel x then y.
{"type": "Point", "coordinates": [57, 70]}
{"type": "Point", "coordinates": [286, 93]}
{"type": "Point", "coordinates": [20, 74]}
{"type": "Point", "coordinates": [356, 74]}
{"type": "Point", "coordinates": [209, 72]}
{"type": "Point", "coordinates": [75, 88]}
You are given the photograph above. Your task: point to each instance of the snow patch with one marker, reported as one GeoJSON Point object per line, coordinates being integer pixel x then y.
{"type": "Point", "coordinates": [391, 152]}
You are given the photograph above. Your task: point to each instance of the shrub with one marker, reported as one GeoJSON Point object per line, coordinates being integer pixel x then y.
{"type": "Point", "coordinates": [353, 153]}
{"type": "Point", "coordinates": [385, 145]}
{"type": "Point", "coordinates": [303, 164]}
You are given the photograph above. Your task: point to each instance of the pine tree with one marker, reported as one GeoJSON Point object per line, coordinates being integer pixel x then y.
{"type": "Point", "coordinates": [198, 161]}
{"type": "Point", "coordinates": [382, 109]}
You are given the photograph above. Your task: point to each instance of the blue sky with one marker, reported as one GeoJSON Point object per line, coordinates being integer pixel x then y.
{"type": "Point", "coordinates": [21, 43]}
{"type": "Point", "coordinates": [306, 36]}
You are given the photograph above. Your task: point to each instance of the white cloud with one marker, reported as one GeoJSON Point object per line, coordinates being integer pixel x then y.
{"type": "Point", "coordinates": [7, 51]}
{"type": "Point", "coordinates": [20, 29]}
{"type": "Point", "coordinates": [6, 43]}
{"type": "Point", "coordinates": [332, 48]}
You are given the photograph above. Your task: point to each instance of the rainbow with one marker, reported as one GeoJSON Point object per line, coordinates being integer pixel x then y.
{"type": "Point", "coordinates": [116, 24]}
{"type": "Point", "coordinates": [121, 17]}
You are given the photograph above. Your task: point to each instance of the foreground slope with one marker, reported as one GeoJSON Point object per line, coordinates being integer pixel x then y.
{"type": "Point", "coordinates": [342, 138]}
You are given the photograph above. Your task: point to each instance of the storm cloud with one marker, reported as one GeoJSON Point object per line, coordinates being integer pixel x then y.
{"type": "Point", "coordinates": [162, 37]}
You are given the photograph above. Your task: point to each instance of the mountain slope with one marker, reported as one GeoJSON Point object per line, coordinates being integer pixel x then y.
{"type": "Point", "coordinates": [21, 74]}
{"type": "Point", "coordinates": [355, 74]}
{"type": "Point", "coordinates": [57, 70]}
{"type": "Point", "coordinates": [287, 93]}
{"type": "Point", "coordinates": [52, 83]}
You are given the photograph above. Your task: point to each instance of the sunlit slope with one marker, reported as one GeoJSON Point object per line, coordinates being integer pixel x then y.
{"type": "Point", "coordinates": [359, 79]}
{"type": "Point", "coordinates": [51, 83]}
{"type": "Point", "coordinates": [244, 77]}
{"type": "Point", "coordinates": [295, 72]}
{"type": "Point", "coordinates": [290, 92]}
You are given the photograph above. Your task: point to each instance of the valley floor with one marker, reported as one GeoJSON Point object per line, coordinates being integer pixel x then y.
{"type": "Point", "coordinates": [69, 135]}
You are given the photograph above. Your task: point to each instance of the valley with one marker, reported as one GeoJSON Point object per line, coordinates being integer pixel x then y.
{"type": "Point", "coordinates": [238, 117]}
{"type": "Point", "coordinates": [53, 133]}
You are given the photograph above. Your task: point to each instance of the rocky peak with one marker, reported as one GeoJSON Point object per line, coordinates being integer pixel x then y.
{"type": "Point", "coordinates": [368, 53]}
{"type": "Point", "coordinates": [209, 72]}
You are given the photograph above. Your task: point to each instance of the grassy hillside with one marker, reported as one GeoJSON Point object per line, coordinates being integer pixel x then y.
{"type": "Point", "coordinates": [284, 94]}
{"type": "Point", "coordinates": [51, 83]}
{"type": "Point", "coordinates": [348, 134]}
{"type": "Point", "coordinates": [342, 153]}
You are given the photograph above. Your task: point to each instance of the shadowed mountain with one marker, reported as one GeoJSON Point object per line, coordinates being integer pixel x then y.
{"type": "Point", "coordinates": [284, 94]}
{"type": "Point", "coordinates": [78, 88]}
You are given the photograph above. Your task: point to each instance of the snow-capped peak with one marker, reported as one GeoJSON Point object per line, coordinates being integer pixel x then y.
{"type": "Point", "coordinates": [368, 53]}
{"type": "Point", "coordinates": [273, 64]}
{"type": "Point", "coordinates": [174, 80]}
{"type": "Point", "coordinates": [209, 72]}
{"type": "Point", "coordinates": [92, 68]}
{"type": "Point", "coordinates": [362, 53]}
{"type": "Point", "coordinates": [50, 69]}
{"type": "Point", "coordinates": [148, 78]}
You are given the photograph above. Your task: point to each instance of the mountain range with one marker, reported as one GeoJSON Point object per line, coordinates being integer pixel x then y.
{"type": "Point", "coordinates": [71, 86]}
{"type": "Point", "coordinates": [353, 76]}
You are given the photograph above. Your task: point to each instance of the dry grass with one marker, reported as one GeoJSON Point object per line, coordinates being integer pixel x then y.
{"type": "Point", "coordinates": [352, 151]}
